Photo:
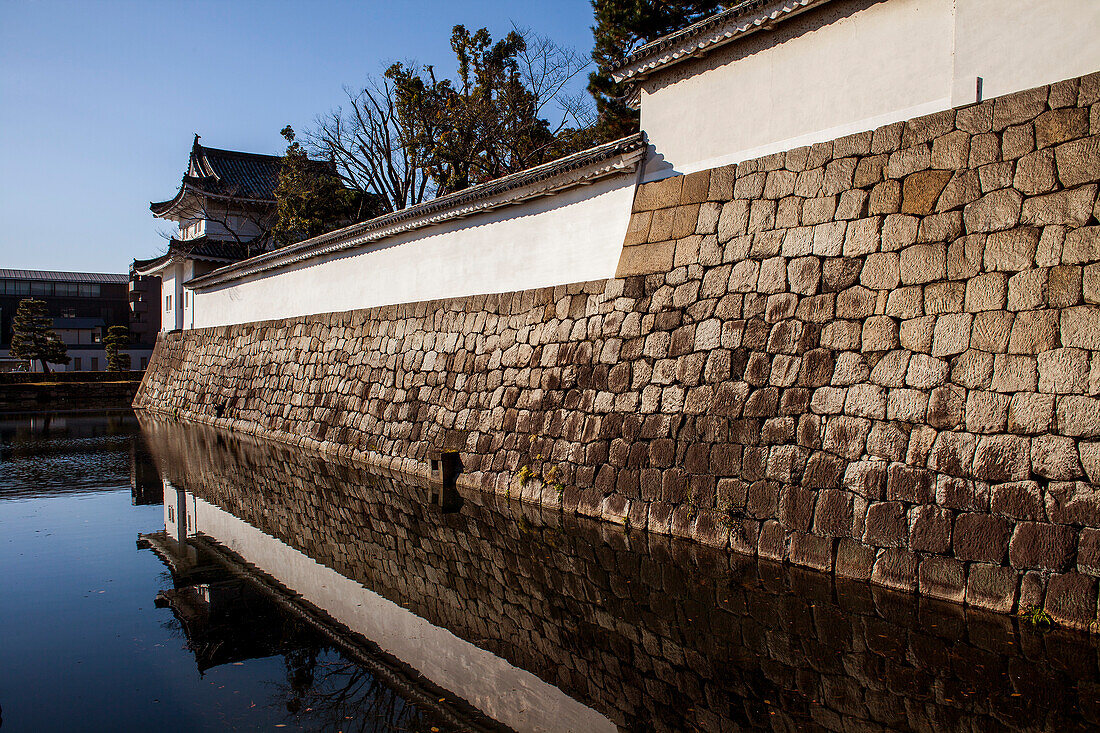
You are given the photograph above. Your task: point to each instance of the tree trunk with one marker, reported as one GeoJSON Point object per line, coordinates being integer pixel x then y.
{"type": "Point", "coordinates": [45, 367]}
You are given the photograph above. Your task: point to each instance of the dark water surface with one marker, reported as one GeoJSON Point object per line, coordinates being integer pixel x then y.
{"type": "Point", "coordinates": [174, 577]}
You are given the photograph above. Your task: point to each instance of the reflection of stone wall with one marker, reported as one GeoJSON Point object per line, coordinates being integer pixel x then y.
{"type": "Point", "coordinates": [645, 628]}
{"type": "Point", "coordinates": [878, 355]}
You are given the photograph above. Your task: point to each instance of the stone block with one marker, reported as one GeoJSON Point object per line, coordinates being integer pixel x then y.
{"type": "Point", "coordinates": [1034, 332]}
{"type": "Point", "coordinates": [841, 335]}
{"type": "Point", "coordinates": [721, 183]}
{"type": "Point", "coordinates": [1064, 286]}
{"type": "Point", "coordinates": [898, 231]}
{"type": "Point", "coordinates": [952, 453]}
{"type": "Point", "coordinates": [1011, 251]}
{"type": "Point", "coordinates": [943, 578]}
{"type": "Point", "coordinates": [1072, 502]}
{"type": "Point", "coordinates": [881, 271]}
{"type": "Point", "coordinates": [986, 412]}
{"type": "Point", "coordinates": [1078, 416]}
{"type": "Point", "coordinates": [1017, 140]}
{"type": "Point", "coordinates": [923, 263]}
{"type": "Point", "coordinates": [975, 118]}
{"type": "Point", "coordinates": [909, 484]}
{"type": "Point", "coordinates": [1090, 460]}
{"type": "Point", "coordinates": [846, 436]}
{"type": "Point", "coordinates": [946, 406]}
{"type": "Point", "coordinates": [888, 441]}
{"type": "Point", "coordinates": [709, 214]}
{"type": "Point", "coordinates": [1018, 500]}
{"type": "Point", "coordinates": [645, 259]}
{"type": "Point", "coordinates": [854, 560]}
{"type": "Point", "coordinates": [1078, 162]}
{"type": "Point", "coordinates": [1049, 252]}
{"type": "Point", "coordinates": [896, 569]}
{"type": "Point", "coordinates": [1071, 600]}
{"type": "Point", "coordinates": [943, 227]}
{"type": "Point", "coordinates": [819, 210]}
{"type": "Point", "coordinates": [964, 256]}
{"type": "Point", "coordinates": [886, 525]}
{"type": "Point", "coordinates": [944, 297]}
{"type": "Point", "coordinates": [834, 514]}
{"type": "Point", "coordinates": [981, 537]}
{"type": "Point", "coordinates": [952, 334]}
{"type": "Point", "coordinates": [1035, 173]}
{"type": "Point", "coordinates": [1064, 371]}
{"type": "Point", "coordinates": [907, 405]}
{"type": "Point", "coordinates": [915, 334]}
{"type": "Point", "coordinates": [810, 551]}
{"type": "Point", "coordinates": [984, 149]}
{"type": "Point", "coordinates": [996, 211]}
{"type": "Point", "coordinates": [1002, 458]}
{"type": "Point", "coordinates": [963, 188]}
{"type": "Point", "coordinates": [991, 587]}
{"type": "Point", "coordinates": [965, 494]}
{"type": "Point", "coordinates": [1027, 290]}
{"type": "Point", "coordinates": [1081, 246]}
{"type": "Point", "coordinates": [1088, 551]}
{"type": "Point", "coordinates": [1014, 373]}
{"type": "Point", "coordinates": [637, 229]}
{"type": "Point", "coordinates": [973, 369]}
{"type": "Point", "coordinates": [660, 226]}
{"type": "Point", "coordinates": [1055, 457]}
{"type": "Point", "coordinates": [907, 302]}
{"type": "Point", "coordinates": [1030, 413]}
{"type": "Point", "coordinates": [880, 333]}
{"type": "Point", "coordinates": [991, 331]}
{"type": "Point", "coordinates": [1080, 327]}
{"type": "Point", "coordinates": [865, 400]}
{"type": "Point", "coordinates": [926, 372]}
{"type": "Point", "coordinates": [829, 239]}
{"type": "Point", "coordinates": [856, 302]}
{"type": "Point", "coordinates": [804, 275]}
{"type": "Point", "coordinates": [920, 191]}
{"type": "Point", "coordinates": [1020, 107]}
{"type": "Point", "coordinates": [891, 368]}
{"type": "Point", "coordinates": [1070, 207]}
{"type": "Point", "coordinates": [930, 529]}
{"type": "Point", "coordinates": [695, 187]}
{"type": "Point", "coordinates": [1042, 546]}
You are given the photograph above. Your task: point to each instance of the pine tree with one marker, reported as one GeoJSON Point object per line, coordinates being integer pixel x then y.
{"type": "Point", "coordinates": [117, 337]}
{"type": "Point", "coordinates": [32, 335]}
{"type": "Point", "coordinates": [622, 26]}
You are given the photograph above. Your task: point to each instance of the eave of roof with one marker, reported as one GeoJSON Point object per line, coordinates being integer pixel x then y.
{"type": "Point", "coordinates": [193, 186]}
{"type": "Point", "coordinates": [704, 36]}
{"type": "Point", "coordinates": [573, 170]}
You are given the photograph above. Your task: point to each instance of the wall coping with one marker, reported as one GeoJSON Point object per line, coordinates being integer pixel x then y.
{"type": "Point", "coordinates": [579, 169]}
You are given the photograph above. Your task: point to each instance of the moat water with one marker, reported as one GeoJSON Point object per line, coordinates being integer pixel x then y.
{"type": "Point", "coordinates": [174, 577]}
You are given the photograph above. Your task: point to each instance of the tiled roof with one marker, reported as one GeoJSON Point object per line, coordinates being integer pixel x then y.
{"type": "Point", "coordinates": [57, 276]}
{"type": "Point", "coordinates": [576, 169]}
{"type": "Point", "coordinates": [200, 248]}
{"type": "Point", "coordinates": [720, 28]}
{"type": "Point", "coordinates": [232, 173]}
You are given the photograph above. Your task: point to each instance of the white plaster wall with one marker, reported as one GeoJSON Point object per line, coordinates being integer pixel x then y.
{"type": "Point", "coordinates": [569, 237]}
{"type": "Point", "coordinates": [170, 285]}
{"type": "Point", "coordinates": [505, 693]}
{"type": "Point", "coordinates": [1019, 44]}
{"type": "Point", "coordinates": [879, 63]}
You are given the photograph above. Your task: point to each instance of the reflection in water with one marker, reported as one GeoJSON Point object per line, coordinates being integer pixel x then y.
{"type": "Point", "coordinates": [52, 454]}
{"type": "Point", "coordinates": [543, 621]}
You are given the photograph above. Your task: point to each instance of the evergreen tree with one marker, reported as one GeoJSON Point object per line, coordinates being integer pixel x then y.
{"type": "Point", "coordinates": [622, 26]}
{"type": "Point", "coordinates": [310, 198]}
{"type": "Point", "coordinates": [117, 337]}
{"type": "Point", "coordinates": [33, 337]}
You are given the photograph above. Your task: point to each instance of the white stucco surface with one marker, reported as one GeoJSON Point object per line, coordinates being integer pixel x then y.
{"type": "Point", "coordinates": [571, 236]}
{"type": "Point", "coordinates": [505, 693]}
{"type": "Point", "coordinates": [853, 65]}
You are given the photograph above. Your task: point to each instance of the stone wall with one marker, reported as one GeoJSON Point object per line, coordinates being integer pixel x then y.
{"type": "Point", "coordinates": [878, 356]}
{"type": "Point", "coordinates": [654, 632]}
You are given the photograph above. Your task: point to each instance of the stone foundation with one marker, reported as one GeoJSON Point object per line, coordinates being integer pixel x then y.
{"type": "Point", "coordinates": [877, 356]}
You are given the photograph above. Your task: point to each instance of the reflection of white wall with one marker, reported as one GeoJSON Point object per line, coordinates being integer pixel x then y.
{"type": "Point", "coordinates": [505, 693]}
{"type": "Point", "coordinates": [807, 82]}
{"type": "Point", "coordinates": [571, 236]}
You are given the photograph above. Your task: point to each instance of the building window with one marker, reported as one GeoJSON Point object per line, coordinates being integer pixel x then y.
{"type": "Point", "coordinates": [144, 362]}
{"type": "Point", "coordinates": [76, 364]}
{"type": "Point", "coordinates": [168, 303]}
{"type": "Point", "coordinates": [95, 363]}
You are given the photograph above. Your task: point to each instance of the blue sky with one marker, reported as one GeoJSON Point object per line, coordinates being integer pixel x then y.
{"type": "Point", "coordinates": [99, 100]}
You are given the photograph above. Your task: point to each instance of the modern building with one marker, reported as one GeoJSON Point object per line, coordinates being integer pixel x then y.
{"type": "Point", "coordinates": [224, 208]}
{"type": "Point", "coordinates": [82, 306]}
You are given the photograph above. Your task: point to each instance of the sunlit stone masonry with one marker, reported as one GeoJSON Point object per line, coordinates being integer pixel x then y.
{"type": "Point", "coordinates": [877, 356]}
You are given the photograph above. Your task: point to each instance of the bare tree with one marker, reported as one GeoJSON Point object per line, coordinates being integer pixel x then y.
{"type": "Point", "coordinates": [374, 151]}
{"type": "Point", "coordinates": [388, 138]}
